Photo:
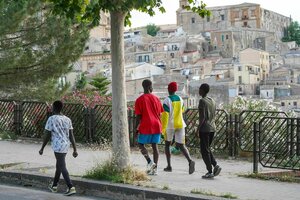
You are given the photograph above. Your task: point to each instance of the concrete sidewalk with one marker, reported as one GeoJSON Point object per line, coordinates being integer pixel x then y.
{"type": "Point", "coordinates": [178, 181]}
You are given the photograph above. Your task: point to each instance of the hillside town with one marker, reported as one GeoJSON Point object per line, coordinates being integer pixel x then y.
{"type": "Point", "coordinates": [237, 50]}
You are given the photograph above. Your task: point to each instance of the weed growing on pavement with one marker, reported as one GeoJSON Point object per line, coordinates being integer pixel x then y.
{"type": "Point", "coordinates": [281, 177]}
{"type": "Point", "coordinates": [210, 193]}
{"type": "Point", "coordinates": [165, 187]}
{"type": "Point", "coordinates": [8, 135]}
{"type": "Point", "coordinates": [109, 171]}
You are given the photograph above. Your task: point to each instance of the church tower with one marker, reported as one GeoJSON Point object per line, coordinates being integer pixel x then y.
{"type": "Point", "coordinates": [183, 3]}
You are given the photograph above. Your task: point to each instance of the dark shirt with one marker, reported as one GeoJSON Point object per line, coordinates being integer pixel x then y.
{"type": "Point", "coordinates": [207, 113]}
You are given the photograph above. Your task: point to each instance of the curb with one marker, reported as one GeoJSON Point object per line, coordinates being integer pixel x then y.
{"type": "Point", "coordinates": [100, 188]}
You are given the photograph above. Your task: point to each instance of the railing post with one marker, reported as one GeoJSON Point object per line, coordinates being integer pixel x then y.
{"type": "Point", "coordinates": [130, 128]}
{"type": "Point", "coordinates": [17, 118]}
{"type": "Point", "coordinates": [298, 137]}
{"type": "Point", "coordinates": [255, 145]}
{"type": "Point", "coordinates": [236, 134]}
{"type": "Point", "coordinates": [292, 150]}
{"type": "Point", "coordinates": [92, 123]}
{"type": "Point", "coordinates": [87, 124]}
{"type": "Point", "coordinates": [231, 136]}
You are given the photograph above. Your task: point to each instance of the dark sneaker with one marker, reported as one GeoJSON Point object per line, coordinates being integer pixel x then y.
{"type": "Point", "coordinates": [168, 169]}
{"type": "Point", "coordinates": [217, 170]}
{"type": "Point", "coordinates": [70, 191]}
{"type": "Point", "coordinates": [191, 167]}
{"type": "Point", "coordinates": [208, 176]}
{"type": "Point", "coordinates": [52, 188]}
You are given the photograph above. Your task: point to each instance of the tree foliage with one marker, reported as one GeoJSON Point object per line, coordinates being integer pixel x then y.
{"type": "Point", "coordinates": [81, 82]}
{"type": "Point", "coordinates": [100, 83]}
{"type": "Point", "coordinates": [152, 29]}
{"type": "Point", "coordinates": [293, 33]}
{"type": "Point", "coordinates": [35, 45]}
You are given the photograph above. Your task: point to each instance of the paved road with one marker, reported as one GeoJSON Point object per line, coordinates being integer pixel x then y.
{"type": "Point", "coordinates": [179, 180]}
{"type": "Point", "coordinates": [21, 193]}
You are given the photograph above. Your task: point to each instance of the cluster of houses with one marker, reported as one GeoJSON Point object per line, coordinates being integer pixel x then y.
{"type": "Point", "coordinates": [237, 50]}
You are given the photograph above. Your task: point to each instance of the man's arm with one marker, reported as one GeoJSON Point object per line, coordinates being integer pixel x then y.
{"type": "Point", "coordinates": [72, 140]}
{"type": "Point", "coordinates": [137, 122]}
{"type": "Point", "coordinates": [201, 113]}
{"type": "Point", "coordinates": [46, 138]}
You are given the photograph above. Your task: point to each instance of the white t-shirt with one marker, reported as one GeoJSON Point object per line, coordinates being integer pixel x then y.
{"type": "Point", "coordinates": [59, 125]}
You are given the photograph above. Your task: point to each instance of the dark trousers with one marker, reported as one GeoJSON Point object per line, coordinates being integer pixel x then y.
{"type": "Point", "coordinates": [61, 169]}
{"type": "Point", "coordinates": [206, 139]}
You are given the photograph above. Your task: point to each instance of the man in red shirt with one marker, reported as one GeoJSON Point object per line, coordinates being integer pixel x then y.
{"type": "Point", "coordinates": [148, 109]}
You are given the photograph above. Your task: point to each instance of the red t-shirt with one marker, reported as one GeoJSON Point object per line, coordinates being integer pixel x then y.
{"type": "Point", "coordinates": [150, 108]}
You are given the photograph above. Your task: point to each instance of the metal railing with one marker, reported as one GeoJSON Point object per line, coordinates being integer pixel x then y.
{"type": "Point", "coordinates": [273, 137]}
{"type": "Point", "coordinates": [277, 143]}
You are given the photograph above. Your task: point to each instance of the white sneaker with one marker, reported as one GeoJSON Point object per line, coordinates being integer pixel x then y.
{"type": "Point", "coordinates": [153, 170]}
{"type": "Point", "coordinates": [149, 167]}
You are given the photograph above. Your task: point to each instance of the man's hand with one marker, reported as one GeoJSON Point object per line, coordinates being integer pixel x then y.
{"type": "Point", "coordinates": [41, 151]}
{"type": "Point", "coordinates": [75, 154]}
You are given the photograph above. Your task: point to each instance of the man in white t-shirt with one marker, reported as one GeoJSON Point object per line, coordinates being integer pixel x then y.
{"type": "Point", "coordinates": [59, 128]}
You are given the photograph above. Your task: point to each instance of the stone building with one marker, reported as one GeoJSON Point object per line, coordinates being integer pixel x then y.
{"type": "Point", "coordinates": [245, 15]}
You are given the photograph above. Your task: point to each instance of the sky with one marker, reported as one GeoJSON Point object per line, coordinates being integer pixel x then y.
{"type": "Point", "coordinates": [286, 7]}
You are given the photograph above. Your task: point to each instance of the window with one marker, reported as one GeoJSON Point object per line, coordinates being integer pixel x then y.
{"type": "Point", "coordinates": [245, 24]}
{"type": "Point", "coordinates": [282, 104]}
{"type": "Point", "coordinates": [140, 58]}
{"type": "Point", "coordinates": [267, 94]}
{"type": "Point", "coordinates": [193, 20]}
{"type": "Point", "coordinates": [208, 19]}
{"type": "Point", "coordinates": [222, 17]}
{"type": "Point", "coordinates": [222, 38]}
{"type": "Point", "coordinates": [239, 68]}
{"type": "Point", "coordinates": [147, 59]}
{"type": "Point", "coordinates": [240, 79]}
{"type": "Point", "coordinates": [253, 13]}
{"type": "Point", "coordinates": [295, 103]}
{"type": "Point", "coordinates": [227, 37]}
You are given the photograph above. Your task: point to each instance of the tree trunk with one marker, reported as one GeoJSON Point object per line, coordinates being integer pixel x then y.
{"type": "Point", "coordinates": [121, 150]}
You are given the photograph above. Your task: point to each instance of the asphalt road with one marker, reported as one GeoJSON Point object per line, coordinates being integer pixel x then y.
{"type": "Point", "coordinates": [22, 193]}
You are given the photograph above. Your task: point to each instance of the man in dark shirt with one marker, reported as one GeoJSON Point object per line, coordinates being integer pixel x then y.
{"type": "Point", "coordinates": [207, 129]}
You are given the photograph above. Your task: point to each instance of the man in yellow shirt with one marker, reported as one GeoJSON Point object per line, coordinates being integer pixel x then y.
{"type": "Point", "coordinates": [173, 125]}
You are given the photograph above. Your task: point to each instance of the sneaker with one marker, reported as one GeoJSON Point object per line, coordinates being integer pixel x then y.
{"type": "Point", "coordinates": [52, 188]}
{"type": "Point", "coordinates": [191, 167]}
{"type": "Point", "coordinates": [149, 166]}
{"type": "Point", "coordinates": [153, 170]}
{"type": "Point", "coordinates": [208, 176]}
{"type": "Point", "coordinates": [217, 170]}
{"type": "Point", "coordinates": [168, 169]}
{"type": "Point", "coordinates": [70, 191]}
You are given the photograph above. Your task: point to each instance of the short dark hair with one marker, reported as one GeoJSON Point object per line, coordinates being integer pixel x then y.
{"type": "Point", "coordinates": [204, 87]}
{"type": "Point", "coordinates": [57, 106]}
{"type": "Point", "coordinates": [146, 84]}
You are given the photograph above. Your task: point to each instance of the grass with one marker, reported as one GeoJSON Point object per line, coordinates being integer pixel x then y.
{"type": "Point", "coordinates": [108, 171]}
{"type": "Point", "coordinates": [210, 193]}
{"type": "Point", "coordinates": [165, 187]}
{"type": "Point", "coordinates": [281, 177]}
{"type": "Point", "coordinates": [3, 166]}
{"type": "Point", "coordinates": [8, 135]}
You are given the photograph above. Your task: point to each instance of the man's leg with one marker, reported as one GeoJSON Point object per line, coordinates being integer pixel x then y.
{"type": "Point", "coordinates": [61, 163]}
{"type": "Point", "coordinates": [57, 171]}
{"type": "Point", "coordinates": [168, 155]}
{"type": "Point", "coordinates": [144, 152]}
{"type": "Point", "coordinates": [205, 150]}
{"type": "Point", "coordinates": [155, 153]}
{"type": "Point", "coordinates": [212, 158]}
